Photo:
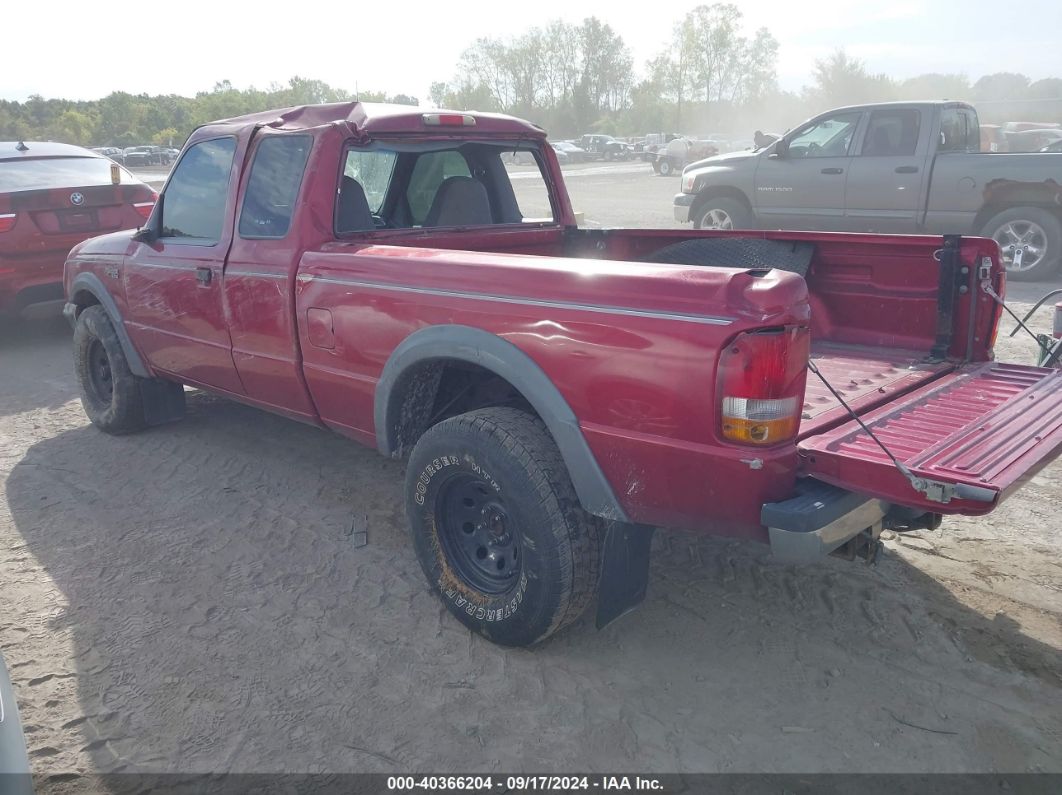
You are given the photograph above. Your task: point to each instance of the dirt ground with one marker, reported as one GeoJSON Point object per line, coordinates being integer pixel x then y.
{"type": "Point", "coordinates": [199, 598]}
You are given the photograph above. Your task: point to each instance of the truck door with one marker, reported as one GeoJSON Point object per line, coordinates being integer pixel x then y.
{"type": "Point", "coordinates": [173, 283]}
{"type": "Point", "coordinates": [801, 184]}
{"type": "Point", "coordinates": [259, 277]}
{"type": "Point", "coordinates": [887, 177]}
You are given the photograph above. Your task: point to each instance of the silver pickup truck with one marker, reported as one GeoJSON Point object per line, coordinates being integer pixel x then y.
{"type": "Point", "coordinates": [904, 167]}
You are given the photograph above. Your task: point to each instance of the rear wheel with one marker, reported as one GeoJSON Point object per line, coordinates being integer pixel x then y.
{"type": "Point", "coordinates": [722, 213]}
{"type": "Point", "coordinates": [665, 168]}
{"type": "Point", "coordinates": [497, 526]}
{"type": "Point", "coordinates": [1030, 240]}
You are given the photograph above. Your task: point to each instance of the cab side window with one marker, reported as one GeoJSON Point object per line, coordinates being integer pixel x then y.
{"type": "Point", "coordinates": [892, 133]}
{"type": "Point", "coordinates": [958, 132]}
{"type": "Point", "coordinates": [273, 186]}
{"type": "Point", "coordinates": [193, 205]}
{"type": "Point", "coordinates": [828, 137]}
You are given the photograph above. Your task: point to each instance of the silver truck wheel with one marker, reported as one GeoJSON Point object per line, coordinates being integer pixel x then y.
{"type": "Point", "coordinates": [722, 214]}
{"type": "Point", "coordinates": [1033, 233]}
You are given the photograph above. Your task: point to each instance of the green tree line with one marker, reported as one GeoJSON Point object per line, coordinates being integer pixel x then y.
{"type": "Point", "coordinates": [122, 119]}
{"type": "Point", "coordinates": [713, 75]}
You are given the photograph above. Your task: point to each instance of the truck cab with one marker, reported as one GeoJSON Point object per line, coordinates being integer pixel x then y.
{"type": "Point", "coordinates": [900, 167]}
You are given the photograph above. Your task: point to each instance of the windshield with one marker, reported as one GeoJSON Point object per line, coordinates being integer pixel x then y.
{"type": "Point", "coordinates": [59, 172]}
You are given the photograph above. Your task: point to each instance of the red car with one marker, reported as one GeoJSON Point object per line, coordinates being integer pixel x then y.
{"type": "Point", "coordinates": [53, 196]}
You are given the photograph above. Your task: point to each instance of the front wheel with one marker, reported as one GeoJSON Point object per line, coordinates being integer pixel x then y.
{"type": "Point", "coordinates": [722, 213]}
{"type": "Point", "coordinates": [497, 526]}
{"type": "Point", "coordinates": [1030, 240]}
{"type": "Point", "coordinates": [666, 168]}
{"type": "Point", "coordinates": [113, 398]}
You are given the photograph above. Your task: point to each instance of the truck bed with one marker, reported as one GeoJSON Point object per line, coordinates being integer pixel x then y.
{"type": "Point", "coordinates": [864, 376]}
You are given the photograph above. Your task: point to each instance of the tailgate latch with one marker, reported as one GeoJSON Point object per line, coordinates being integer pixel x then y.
{"type": "Point", "coordinates": [939, 491]}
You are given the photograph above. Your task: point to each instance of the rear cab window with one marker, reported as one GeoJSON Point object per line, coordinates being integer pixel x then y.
{"type": "Point", "coordinates": [959, 131]}
{"type": "Point", "coordinates": [449, 184]}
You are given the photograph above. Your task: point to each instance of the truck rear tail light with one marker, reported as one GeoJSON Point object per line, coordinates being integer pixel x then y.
{"type": "Point", "coordinates": [7, 220]}
{"type": "Point", "coordinates": [144, 208]}
{"type": "Point", "coordinates": [762, 375]}
{"type": "Point", "coordinates": [449, 120]}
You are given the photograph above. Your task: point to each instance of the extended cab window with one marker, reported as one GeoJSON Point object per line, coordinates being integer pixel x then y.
{"type": "Point", "coordinates": [892, 133]}
{"type": "Point", "coordinates": [194, 202]}
{"type": "Point", "coordinates": [273, 186]}
{"type": "Point", "coordinates": [828, 137]}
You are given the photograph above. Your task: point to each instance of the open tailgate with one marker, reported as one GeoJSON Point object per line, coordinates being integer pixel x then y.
{"type": "Point", "coordinates": [984, 429]}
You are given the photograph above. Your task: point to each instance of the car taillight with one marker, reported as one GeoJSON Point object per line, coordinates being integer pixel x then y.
{"type": "Point", "coordinates": [762, 375]}
{"type": "Point", "coordinates": [7, 220]}
{"type": "Point", "coordinates": [144, 208]}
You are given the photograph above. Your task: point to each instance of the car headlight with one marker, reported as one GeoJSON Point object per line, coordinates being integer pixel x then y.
{"type": "Point", "coordinates": [689, 181]}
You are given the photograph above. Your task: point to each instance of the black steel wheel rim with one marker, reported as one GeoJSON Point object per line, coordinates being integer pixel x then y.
{"type": "Point", "coordinates": [478, 535]}
{"type": "Point", "coordinates": [99, 372]}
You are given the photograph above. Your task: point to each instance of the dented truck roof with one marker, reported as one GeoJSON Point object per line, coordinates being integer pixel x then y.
{"type": "Point", "coordinates": [374, 118]}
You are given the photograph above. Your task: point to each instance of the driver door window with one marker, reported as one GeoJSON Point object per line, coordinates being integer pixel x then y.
{"type": "Point", "coordinates": [829, 137]}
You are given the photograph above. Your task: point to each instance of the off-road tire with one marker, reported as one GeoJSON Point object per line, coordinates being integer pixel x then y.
{"type": "Point", "coordinates": [511, 456]}
{"type": "Point", "coordinates": [739, 215]}
{"type": "Point", "coordinates": [1052, 232]}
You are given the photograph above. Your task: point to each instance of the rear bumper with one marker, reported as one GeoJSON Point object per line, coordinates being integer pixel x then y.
{"type": "Point", "coordinates": [821, 518]}
{"type": "Point", "coordinates": [683, 202]}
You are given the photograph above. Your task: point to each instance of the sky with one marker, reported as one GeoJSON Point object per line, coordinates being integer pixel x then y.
{"type": "Point", "coordinates": [79, 50]}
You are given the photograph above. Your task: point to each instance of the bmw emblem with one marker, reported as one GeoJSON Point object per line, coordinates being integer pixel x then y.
{"type": "Point", "coordinates": [77, 199]}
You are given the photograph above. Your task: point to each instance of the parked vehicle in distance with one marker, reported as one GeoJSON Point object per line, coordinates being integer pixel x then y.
{"type": "Point", "coordinates": [15, 774]}
{"type": "Point", "coordinates": [654, 142]}
{"type": "Point", "coordinates": [680, 152]}
{"type": "Point", "coordinates": [605, 147]}
{"type": "Point", "coordinates": [907, 167]}
{"type": "Point", "coordinates": [992, 138]}
{"type": "Point", "coordinates": [576, 154]}
{"type": "Point", "coordinates": [562, 157]}
{"type": "Point", "coordinates": [113, 152]}
{"type": "Point", "coordinates": [53, 196]}
{"type": "Point", "coordinates": [558, 391]}
{"type": "Point", "coordinates": [1032, 140]}
{"type": "Point", "coordinates": [139, 156]}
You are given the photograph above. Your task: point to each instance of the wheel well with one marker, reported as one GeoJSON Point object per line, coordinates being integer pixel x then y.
{"type": "Point", "coordinates": [433, 391]}
{"type": "Point", "coordinates": [719, 192]}
{"type": "Point", "coordinates": [989, 210]}
{"type": "Point", "coordinates": [83, 299]}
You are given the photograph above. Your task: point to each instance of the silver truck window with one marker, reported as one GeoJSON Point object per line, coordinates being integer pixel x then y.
{"type": "Point", "coordinates": [194, 201]}
{"type": "Point", "coordinates": [892, 133]}
{"type": "Point", "coordinates": [273, 186]}
{"type": "Point", "coordinates": [829, 137]}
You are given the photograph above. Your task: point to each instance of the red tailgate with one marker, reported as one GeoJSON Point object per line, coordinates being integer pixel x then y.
{"type": "Point", "coordinates": [987, 426]}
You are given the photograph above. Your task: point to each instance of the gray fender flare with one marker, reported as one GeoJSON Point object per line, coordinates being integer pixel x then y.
{"type": "Point", "coordinates": [491, 352]}
{"type": "Point", "coordinates": [90, 282]}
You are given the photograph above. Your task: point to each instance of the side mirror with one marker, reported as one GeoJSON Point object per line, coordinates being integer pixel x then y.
{"type": "Point", "coordinates": [152, 230]}
{"type": "Point", "coordinates": [778, 149]}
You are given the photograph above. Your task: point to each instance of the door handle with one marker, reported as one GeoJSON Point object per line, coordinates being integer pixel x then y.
{"type": "Point", "coordinates": [204, 276]}
{"type": "Point", "coordinates": [833, 171]}
{"type": "Point", "coordinates": [906, 169]}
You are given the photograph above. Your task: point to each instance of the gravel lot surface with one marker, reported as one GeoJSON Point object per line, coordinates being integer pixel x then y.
{"type": "Point", "coordinates": [199, 598]}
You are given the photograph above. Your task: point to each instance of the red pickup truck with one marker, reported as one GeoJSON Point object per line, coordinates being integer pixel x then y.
{"type": "Point", "coordinates": [558, 392]}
